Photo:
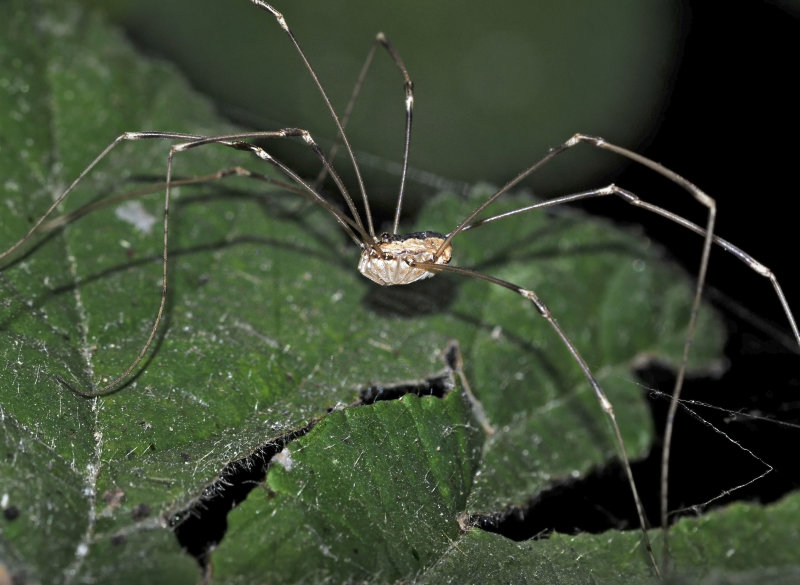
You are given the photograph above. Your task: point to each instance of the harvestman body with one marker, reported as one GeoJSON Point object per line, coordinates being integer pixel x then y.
{"type": "Point", "coordinates": [396, 259]}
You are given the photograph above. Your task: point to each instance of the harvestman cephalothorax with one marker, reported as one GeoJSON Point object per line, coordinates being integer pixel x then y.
{"type": "Point", "coordinates": [395, 258]}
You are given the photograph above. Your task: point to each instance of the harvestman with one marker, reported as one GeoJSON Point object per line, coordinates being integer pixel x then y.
{"type": "Point", "coordinates": [396, 259]}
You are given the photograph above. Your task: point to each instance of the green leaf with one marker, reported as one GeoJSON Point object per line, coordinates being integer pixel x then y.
{"type": "Point", "coordinates": [270, 329]}
{"type": "Point", "coordinates": [744, 543]}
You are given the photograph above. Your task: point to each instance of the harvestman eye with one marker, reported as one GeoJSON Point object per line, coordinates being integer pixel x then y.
{"type": "Point", "coordinates": [394, 258]}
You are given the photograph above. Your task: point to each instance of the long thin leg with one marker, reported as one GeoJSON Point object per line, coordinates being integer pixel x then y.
{"type": "Point", "coordinates": [605, 403]}
{"type": "Point", "coordinates": [633, 199]}
{"type": "Point", "coordinates": [708, 240]}
{"type": "Point", "coordinates": [238, 171]}
{"type": "Point", "coordinates": [455, 362]}
{"type": "Point", "coordinates": [282, 22]}
{"type": "Point", "coordinates": [126, 136]}
{"type": "Point", "coordinates": [380, 39]}
{"type": "Point", "coordinates": [235, 141]}
{"type": "Point", "coordinates": [409, 89]}
{"type": "Point", "coordinates": [348, 111]}
{"type": "Point", "coordinates": [698, 296]}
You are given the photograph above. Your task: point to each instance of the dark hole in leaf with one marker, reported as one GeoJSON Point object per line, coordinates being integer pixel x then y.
{"type": "Point", "coordinates": [11, 513]}
{"type": "Point", "coordinates": [436, 386]}
{"type": "Point", "coordinates": [203, 524]}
